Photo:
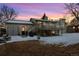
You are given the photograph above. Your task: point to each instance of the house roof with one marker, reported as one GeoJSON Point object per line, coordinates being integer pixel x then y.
{"type": "Point", "coordinates": [19, 22]}
{"type": "Point", "coordinates": [41, 20]}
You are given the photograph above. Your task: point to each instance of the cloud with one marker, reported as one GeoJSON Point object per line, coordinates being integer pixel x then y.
{"type": "Point", "coordinates": [50, 15]}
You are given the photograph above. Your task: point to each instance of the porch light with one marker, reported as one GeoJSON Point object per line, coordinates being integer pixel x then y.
{"type": "Point", "coordinates": [53, 32]}
{"type": "Point", "coordinates": [78, 27]}
{"type": "Point", "coordinates": [73, 27]}
{"type": "Point", "coordinates": [23, 29]}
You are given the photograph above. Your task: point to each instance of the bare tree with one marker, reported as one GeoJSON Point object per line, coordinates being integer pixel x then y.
{"type": "Point", "coordinates": [73, 9]}
{"type": "Point", "coordinates": [7, 13]}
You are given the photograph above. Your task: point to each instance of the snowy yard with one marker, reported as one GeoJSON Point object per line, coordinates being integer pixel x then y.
{"type": "Point", "coordinates": [67, 38]}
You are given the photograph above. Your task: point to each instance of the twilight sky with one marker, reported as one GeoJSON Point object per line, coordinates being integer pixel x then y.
{"type": "Point", "coordinates": [36, 10]}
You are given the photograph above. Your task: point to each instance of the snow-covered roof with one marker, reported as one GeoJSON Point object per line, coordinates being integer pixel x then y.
{"type": "Point", "coordinates": [19, 22]}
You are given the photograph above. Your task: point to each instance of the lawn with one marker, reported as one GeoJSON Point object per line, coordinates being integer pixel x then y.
{"type": "Point", "coordinates": [38, 48]}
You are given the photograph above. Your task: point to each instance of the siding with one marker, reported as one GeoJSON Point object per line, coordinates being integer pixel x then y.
{"type": "Point", "coordinates": [12, 29]}
{"type": "Point", "coordinates": [15, 29]}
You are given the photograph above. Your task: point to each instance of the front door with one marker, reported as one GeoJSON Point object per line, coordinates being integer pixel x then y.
{"type": "Point", "coordinates": [23, 32]}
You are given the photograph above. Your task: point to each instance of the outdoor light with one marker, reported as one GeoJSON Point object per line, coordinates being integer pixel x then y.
{"type": "Point", "coordinates": [39, 22]}
{"type": "Point", "coordinates": [23, 29]}
{"type": "Point", "coordinates": [78, 27]}
{"type": "Point", "coordinates": [73, 27]}
{"type": "Point", "coordinates": [2, 27]}
{"type": "Point", "coordinates": [53, 32]}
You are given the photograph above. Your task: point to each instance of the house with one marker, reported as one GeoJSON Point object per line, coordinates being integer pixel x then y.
{"type": "Point", "coordinates": [73, 27]}
{"type": "Point", "coordinates": [42, 26]}
{"type": "Point", "coordinates": [17, 27]}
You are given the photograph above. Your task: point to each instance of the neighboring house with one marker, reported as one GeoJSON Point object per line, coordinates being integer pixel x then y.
{"type": "Point", "coordinates": [42, 26]}
{"type": "Point", "coordinates": [73, 27]}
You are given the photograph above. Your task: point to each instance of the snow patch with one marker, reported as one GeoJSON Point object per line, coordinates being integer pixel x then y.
{"type": "Point", "coordinates": [67, 38]}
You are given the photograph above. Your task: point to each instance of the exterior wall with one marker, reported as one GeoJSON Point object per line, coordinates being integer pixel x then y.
{"type": "Point", "coordinates": [59, 27]}
{"type": "Point", "coordinates": [16, 29]}
{"type": "Point", "coordinates": [62, 26]}
{"type": "Point", "coordinates": [12, 29]}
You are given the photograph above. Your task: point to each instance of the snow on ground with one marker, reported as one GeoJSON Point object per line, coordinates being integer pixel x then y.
{"type": "Point", "coordinates": [67, 38]}
{"type": "Point", "coordinates": [21, 38]}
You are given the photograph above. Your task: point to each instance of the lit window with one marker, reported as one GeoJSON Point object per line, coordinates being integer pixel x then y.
{"type": "Point", "coordinates": [73, 27]}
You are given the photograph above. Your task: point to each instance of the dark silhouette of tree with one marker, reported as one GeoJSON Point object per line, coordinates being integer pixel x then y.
{"type": "Point", "coordinates": [73, 9]}
{"type": "Point", "coordinates": [7, 13]}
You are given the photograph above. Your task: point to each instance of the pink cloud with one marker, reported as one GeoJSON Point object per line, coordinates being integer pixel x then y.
{"type": "Point", "coordinates": [50, 16]}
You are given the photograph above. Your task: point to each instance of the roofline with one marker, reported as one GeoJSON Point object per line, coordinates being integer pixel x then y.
{"type": "Point", "coordinates": [17, 22]}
